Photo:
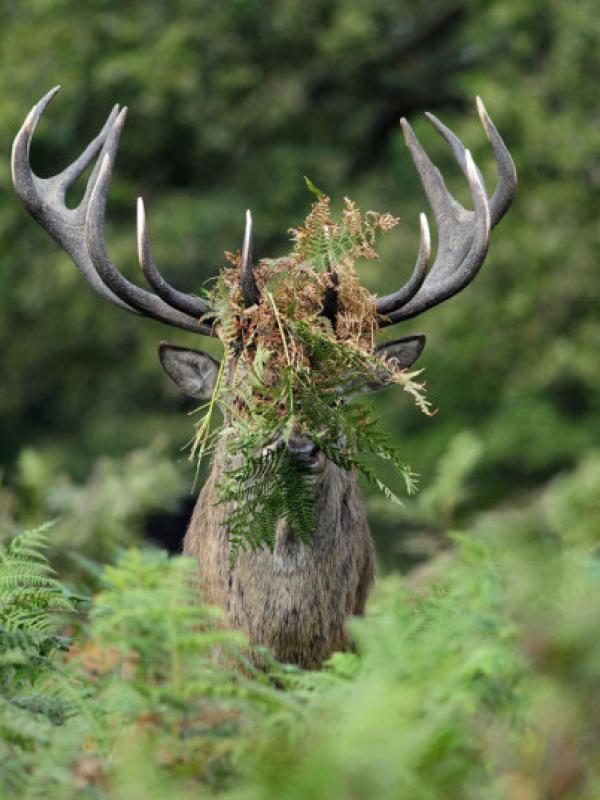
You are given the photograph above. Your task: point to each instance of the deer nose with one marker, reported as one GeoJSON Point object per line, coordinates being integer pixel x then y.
{"type": "Point", "coordinates": [305, 451]}
{"type": "Point", "coordinates": [301, 446]}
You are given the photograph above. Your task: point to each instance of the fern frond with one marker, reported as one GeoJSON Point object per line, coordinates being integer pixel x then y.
{"type": "Point", "coordinates": [287, 373]}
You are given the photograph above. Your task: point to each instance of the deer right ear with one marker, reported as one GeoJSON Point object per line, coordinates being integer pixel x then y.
{"type": "Point", "coordinates": [194, 372]}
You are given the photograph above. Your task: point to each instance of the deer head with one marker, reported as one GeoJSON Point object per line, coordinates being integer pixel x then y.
{"type": "Point", "coordinates": [463, 239]}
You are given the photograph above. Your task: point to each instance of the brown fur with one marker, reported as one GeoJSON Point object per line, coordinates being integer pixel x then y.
{"type": "Point", "coordinates": [295, 600]}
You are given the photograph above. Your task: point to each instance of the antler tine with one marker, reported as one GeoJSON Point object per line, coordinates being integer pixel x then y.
{"type": "Point", "coordinates": [179, 300]}
{"type": "Point", "coordinates": [441, 283]}
{"type": "Point", "coordinates": [28, 185]}
{"type": "Point", "coordinates": [44, 199]}
{"type": "Point", "coordinates": [71, 173]}
{"type": "Point", "coordinates": [247, 282]}
{"type": "Point", "coordinates": [463, 235]}
{"type": "Point", "coordinates": [139, 299]}
{"type": "Point", "coordinates": [24, 180]}
{"type": "Point", "coordinates": [330, 297]}
{"type": "Point", "coordinates": [390, 302]}
{"type": "Point", "coordinates": [504, 193]}
{"type": "Point", "coordinates": [507, 174]}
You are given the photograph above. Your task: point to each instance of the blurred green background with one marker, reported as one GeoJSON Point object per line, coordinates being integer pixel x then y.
{"type": "Point", "coordinates": [231, 104]}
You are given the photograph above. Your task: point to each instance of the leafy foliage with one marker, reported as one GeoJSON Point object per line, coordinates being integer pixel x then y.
{"type": "Point", "coordinates": [28, 592]}
{"type": "Point", "coordinates": [108, 511]}
{"type": "Point", "coordinates": [290, 367]}
{"type": "Point", "coordinates": [475, 675]}
{"type": "Point", "coordinates": [35, 694]}
{"type": "Point", "coordinates": [151, 665]}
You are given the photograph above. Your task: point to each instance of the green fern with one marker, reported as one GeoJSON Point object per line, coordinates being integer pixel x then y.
{"type": "Point", "coordinates": [264, 490]}
{"type": "Point", "coordinates": [30, 597]}
{"type": "Point", "coordinates": [272, 391]}
{"type": "Point", "coordinates": [264, 486]}
{"type": "Point", "coordinates": [35, 692]}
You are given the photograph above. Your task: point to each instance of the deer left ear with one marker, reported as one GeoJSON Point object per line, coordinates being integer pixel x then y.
{"type": "Point", "coordinates": [401, 353]}
{"type": "Point", "coordinates": [194, 372]}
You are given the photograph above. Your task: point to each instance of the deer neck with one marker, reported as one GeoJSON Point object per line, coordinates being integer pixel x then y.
{"type": "Point", "coordinates": [338, 505]}
{"type": "Point", "coordinates": [294, 600]}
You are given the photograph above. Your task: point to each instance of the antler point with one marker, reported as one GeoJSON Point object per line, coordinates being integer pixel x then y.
{"type": "Point", "coordinates": [483, 115]}
{"type": "Point", "coordinates": [141, 212]}
{"type": "Point", "coordinates": [406, 129]}
{"type": "Point", "coordinates": [120, 121]}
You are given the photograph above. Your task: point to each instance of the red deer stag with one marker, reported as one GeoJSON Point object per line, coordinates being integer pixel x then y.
{"type": "Point", "coordinates": [296, 599]}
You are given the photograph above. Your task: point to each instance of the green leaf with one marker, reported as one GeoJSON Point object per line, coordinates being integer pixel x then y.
{"type": "Point", "coordinates": [312, 188]}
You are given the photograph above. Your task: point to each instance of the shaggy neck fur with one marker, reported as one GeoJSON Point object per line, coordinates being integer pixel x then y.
{"type": "Point", "coordinates": [295, 600]}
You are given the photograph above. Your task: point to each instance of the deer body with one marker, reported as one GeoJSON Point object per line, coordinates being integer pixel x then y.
{"type": "Point", "coordinates": [295, 600]}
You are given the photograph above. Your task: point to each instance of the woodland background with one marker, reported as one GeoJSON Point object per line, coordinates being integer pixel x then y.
{"type": "Point", "coordinates": [231, 104]}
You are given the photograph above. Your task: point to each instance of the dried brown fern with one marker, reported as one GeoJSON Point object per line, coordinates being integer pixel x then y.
{"type": "Point", "coordinates": [287, 362]}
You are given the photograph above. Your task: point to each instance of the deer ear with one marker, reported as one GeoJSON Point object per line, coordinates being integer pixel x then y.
{"type": "Point", "coordinates": [195, 373]}
{"type": "Point", "coordinates": [402, 353]}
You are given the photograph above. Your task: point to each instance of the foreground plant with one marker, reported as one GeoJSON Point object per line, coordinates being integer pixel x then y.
{"type": "Point", "coordinates": [35, 692]}
{"type": "Point", "coordinates": [476, 680]}
{"type": "Point", "coordinates": [147, 665]}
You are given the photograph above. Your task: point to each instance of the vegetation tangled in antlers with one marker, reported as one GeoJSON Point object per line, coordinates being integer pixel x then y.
{"type": "Point", "coordinates": [288, 371]}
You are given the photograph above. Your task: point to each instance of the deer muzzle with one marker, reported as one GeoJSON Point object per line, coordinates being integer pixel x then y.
{"type": "Point", "coordinates": [306, 454]}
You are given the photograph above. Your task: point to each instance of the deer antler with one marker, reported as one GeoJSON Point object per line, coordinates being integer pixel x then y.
{"type": "Point", "coordinates": [463, 236]}
{"type": "Point", "coordinates": [80, 231]}
{"type": "Point", "coordinates": [462, 247]}
{"type": "Point", "coordinates": [248, 286]}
